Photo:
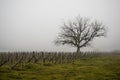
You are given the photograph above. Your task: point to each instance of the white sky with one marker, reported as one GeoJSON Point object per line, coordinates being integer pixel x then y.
{"type": "Point", "coordinates": [27, 25]}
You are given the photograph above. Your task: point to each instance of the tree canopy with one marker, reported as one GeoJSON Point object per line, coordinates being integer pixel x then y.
{"type": "Point", "coordinates": [80, 32]}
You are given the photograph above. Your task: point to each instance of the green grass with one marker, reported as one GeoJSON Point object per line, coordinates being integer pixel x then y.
{"type": "Point", "coordinates": [96, 68]}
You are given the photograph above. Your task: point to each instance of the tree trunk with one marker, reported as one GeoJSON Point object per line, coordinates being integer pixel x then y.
{"type": "Point", "coordinates": [78, 49]}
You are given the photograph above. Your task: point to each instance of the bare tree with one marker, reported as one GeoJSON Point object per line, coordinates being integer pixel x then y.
{"type": "Point", "coordinates": [80, 32]}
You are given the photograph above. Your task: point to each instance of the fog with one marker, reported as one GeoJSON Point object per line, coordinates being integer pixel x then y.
{"type": "Point", "coordinates": [33, 25]}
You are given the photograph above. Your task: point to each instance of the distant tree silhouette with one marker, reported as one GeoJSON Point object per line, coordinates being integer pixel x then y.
{"type": "Point", "coordinates": [80, 32]}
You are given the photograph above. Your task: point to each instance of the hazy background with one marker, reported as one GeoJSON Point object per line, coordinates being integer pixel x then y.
{"type": "Point", "coordinates": [27, 25]}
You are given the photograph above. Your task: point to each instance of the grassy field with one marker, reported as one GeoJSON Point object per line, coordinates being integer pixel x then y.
{"type": "Point", "coordinates": [104, 67]}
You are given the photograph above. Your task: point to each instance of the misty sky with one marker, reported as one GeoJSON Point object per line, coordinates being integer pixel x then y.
{"type": "Point", "coordinates": [27, 25]}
